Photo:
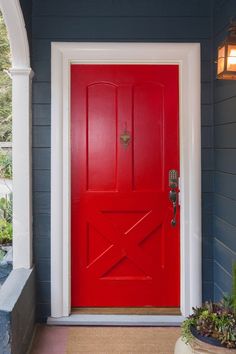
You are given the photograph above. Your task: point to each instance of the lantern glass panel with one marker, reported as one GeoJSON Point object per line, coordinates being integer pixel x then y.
{"type": "Point", "coordinates": [231, 58]}
{"type": "Point", "coordinates": [221, 60]}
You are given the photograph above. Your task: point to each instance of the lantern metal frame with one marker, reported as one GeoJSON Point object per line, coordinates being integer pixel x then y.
{"type": "Point", "coordinates": [223, 57]}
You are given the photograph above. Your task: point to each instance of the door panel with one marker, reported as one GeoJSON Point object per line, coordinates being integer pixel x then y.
{"type": "Point", "coordinates": [102, 124]}
{"type": "Point", "coordinates": [146, 102]}
{"type": "Point", "coordinates": [124, 141]}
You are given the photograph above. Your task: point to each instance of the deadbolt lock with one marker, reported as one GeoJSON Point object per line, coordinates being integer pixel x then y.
{"type": "Point", "coordinates": [173, 179]}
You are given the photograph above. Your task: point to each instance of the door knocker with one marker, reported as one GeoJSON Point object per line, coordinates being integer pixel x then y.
{"type": "Point", "coordinates": [125, 137]}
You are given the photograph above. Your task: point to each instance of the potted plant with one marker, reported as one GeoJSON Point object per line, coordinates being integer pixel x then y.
{"type": "Point", "coordinates": [211, 328]}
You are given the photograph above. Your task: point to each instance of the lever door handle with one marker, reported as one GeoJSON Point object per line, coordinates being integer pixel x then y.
{"type": "Point", "coordinates": [173, 194]}
{"type": "Point", "coordinates": [173, 199]}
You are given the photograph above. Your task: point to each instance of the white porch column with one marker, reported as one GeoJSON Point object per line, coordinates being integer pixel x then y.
{"type": "Point", "coordinates": [21, 131]}
{"type": "Point", "coordinates": [21, 153]}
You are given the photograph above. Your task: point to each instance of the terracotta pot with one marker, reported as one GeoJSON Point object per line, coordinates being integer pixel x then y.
{"type": "Point", "coordinates": [198, 347]}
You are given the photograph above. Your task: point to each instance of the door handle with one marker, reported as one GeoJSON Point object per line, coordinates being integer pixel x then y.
{"type": "Point", "coordinates": [173, 199]}
{"type": "Point", "coordinates": [173, 194]}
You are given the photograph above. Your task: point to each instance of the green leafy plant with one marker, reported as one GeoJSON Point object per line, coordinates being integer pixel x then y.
{"type": "Point", "coordinates": [6, 219]}
{"type": "Point", "coordinates": [234, 288]}
{"type": "Point", "coordinates": [215, 320]}
{"type": "Point", "coordinates": [5, 232]}
{"type": "Point", "coordinates": [186, 329]}
{"type": "Point", "coordinates": [5, 165]}
{"type": "Point", "coordinates": [212, 320]}
{"type": "Point", "coordinates": [5, 85]}
{"type": "Point", "coordinates": [6, 208]}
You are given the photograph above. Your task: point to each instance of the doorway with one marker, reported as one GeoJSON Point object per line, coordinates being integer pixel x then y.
{"type": "Point", "coordinates": [187, 58]}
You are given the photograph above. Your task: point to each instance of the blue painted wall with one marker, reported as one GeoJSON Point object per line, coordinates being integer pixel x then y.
{"type": "Point", "coordinates": [26, 7]}
{"type": "Point", "coordinates": [224, 219]}
{"type": "Point", "coordinates": [110, 20]}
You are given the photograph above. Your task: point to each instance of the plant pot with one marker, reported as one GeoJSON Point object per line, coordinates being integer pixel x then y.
{"type": "Point", "coordinates": [198, 347]}
{"type": "Point", "coordinates": [208, 340]}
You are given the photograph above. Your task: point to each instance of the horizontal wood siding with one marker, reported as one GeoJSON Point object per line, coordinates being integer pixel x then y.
{"type": "Point", "coordinates": [109, 20]}
{"type": "Point", "coordinates": [123, 8]}
{"type": "Point", "coordinates": [224, 219]}
{"type": "Point", "coordinates": [143, 27]}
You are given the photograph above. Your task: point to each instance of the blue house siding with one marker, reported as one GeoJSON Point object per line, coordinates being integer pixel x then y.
{"type": "Point", "coordinates": [26, 7]}
{"type": "Point", "coordinates": [108, 20]}
{"type": "Point", "coordinates": [224, 212]}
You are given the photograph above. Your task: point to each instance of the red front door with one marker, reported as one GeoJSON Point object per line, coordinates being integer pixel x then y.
{"type": "Point", "coordinates": [124, 141]}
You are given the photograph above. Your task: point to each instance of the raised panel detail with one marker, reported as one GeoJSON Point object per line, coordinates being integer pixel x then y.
{"type": "Point", "coordinates": [148, 136]}
{"type": "Point", "coordinates": [101, 133]}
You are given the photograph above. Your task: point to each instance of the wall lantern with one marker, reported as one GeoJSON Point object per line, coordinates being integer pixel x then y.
{"type": "Point", "coordinates": [226, 58]}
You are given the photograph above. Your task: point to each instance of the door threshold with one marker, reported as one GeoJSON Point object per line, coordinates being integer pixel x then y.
{"type": "Point", "coordinates": [175, 311]}
{"type": "Point", "coordinates": [116, 320]}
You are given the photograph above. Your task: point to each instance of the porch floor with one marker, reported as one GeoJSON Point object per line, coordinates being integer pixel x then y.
{"type": "Point", "coordinates": [106, 340]}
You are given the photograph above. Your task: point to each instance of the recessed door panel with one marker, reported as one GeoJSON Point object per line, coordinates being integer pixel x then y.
{"type": "Point", "coordinates": [102, 132]}
{"type": "Point", "coordinates": [149, 132]}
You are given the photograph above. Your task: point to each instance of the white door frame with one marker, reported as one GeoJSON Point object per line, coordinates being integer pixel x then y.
{"type": "Point", "coordinates": [187, 56]}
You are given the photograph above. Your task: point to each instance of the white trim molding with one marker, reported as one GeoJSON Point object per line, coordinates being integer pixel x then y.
{"type": "Point", "coordinates": [187, 56]}
{"type": "Point", "coordinates": [17, 35]}
{"type": "Point", "coordinates": [21, 74]}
